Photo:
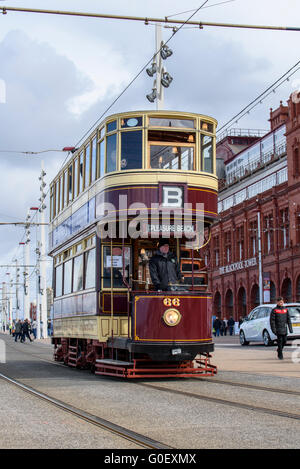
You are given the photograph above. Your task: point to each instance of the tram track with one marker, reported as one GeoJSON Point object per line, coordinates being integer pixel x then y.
{"type": "Point", "coordinates": [205, 397]}
{"type": "Point", "coordinates": [140, 440]}
{"type": "Point", "coordinates": [217, 400]}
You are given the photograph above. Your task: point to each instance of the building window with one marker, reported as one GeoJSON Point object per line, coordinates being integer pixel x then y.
{"type": "Point", "coordinates": [240, 243]}
{"type": "Point", "coordinates": [284, 236]}
{"type": "Point", "coordinates": [216, 247]}
{"type": "Point", "coordinates": [227, 246]}
{"type": "Point", "coordinates": [296, 161]}
{"type": "Point", "coordinates": [297, 226]}
{"type": "Point", "coordinates": [268, 231]}
{"type": "Point", "coordinates": [253, 238]}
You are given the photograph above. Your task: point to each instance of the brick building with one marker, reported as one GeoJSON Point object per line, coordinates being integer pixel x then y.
{"type": "Point", "coordinates": [259, 205]}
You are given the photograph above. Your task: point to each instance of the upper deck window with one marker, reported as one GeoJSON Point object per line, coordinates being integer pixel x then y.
{"type": "Point", "coordinates": [207, 153]}
{"type": "Point", "coordinates": [132, 150]}
{"type": "Point", "coordinates": [172, 157]}
{"type": "Point", "coordinates": [111, 126]}
{"type": "Point", "coordinates": [111, 153]}
{"type": "Point", "coordinates": [169, 122]}
{"type": "Point", "coordinates": [132, 122]}
{"type": "Point", "coordinates": [207, 127]}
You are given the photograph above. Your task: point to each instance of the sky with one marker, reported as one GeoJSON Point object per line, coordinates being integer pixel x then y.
{"type": "Point", "coordinates": [58, 75]}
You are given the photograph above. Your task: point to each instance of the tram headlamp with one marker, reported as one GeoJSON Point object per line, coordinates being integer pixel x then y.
{"type": "Point", "coordinates": [152, 97]}
{"type": "Point", "coordinates": [172, 317]}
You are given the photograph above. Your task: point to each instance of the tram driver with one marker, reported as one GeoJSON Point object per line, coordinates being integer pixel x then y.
{"type": "Point", "coordinates": [164, 268]}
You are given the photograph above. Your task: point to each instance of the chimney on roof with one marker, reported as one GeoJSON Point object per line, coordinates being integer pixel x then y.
{"type": "Point", "coordinates": [279, 116]}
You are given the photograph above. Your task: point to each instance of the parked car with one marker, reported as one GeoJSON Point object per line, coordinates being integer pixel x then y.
{"type": "Point", "coordinates": [256, 326]}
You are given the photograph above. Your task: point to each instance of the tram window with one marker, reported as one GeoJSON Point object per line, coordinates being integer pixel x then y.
{"type": "Point", "coordinates": [78, 273]}
{"type": "Point", "coordinates": [80, 189]}
{"type": "Point", "coordinates": [102, 158]}
{"type": "Point", "coordinates": [66, 188]}
{"type": "Point", "coordinates": [117, 263]}
{"type": "Point", "coordinates": [94, 160]}
{"type": "Point", "coordinates": [111, 153]}
{"type": "Point", "coordinates": [70, 177]}
{"type": "Point", "coordinates": [207, 153]}
{"type": "Point", "coordinates": [75, 178]}
{"type": "Point", "coordinates": [132, 122]}
{"type": "Point", "coordinates": [111, 126]}
{"type": "Point", "coordinates": [132, 150]}
{"type": "Point", "coordinates": [68, 277]}
{"type": "Point", "coordinates": [87, 166]}
{"type": "Point", "coordinates": [207, 127]}
{"type": "Point", "coordinates": [165, 122]}
{"type": "Point", "coordinates": [56, 197]}
{"type": "Point", "coordinates": [90, 264]}
{"type": "Point", "coordinates": [58, 280]}
{"type": "Point", "coordinates": [172, 157]}
{"type": "Point", "coordinates": [101, 133]}
{"type": "Point", "coordinates": [62, 183]}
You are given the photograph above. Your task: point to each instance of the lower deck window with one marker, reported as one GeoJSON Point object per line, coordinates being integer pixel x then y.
{"type": "Point", "coordinates": [113, 266]}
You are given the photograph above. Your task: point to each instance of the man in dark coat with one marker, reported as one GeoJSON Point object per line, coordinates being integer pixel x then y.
{"type": "Point", "coordinates": [279, 319]}
{"type": "Point", "coordinates": [164, 267]}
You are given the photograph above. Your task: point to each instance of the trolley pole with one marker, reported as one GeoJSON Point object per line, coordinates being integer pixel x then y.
{"type": "Point", "coordinates": [43, 286]}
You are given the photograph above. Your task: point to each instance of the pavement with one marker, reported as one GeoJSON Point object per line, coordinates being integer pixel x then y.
{"type": "Point", "coordinates": [255, 358]}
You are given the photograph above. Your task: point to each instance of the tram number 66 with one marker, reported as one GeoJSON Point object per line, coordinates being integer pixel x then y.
{"type": "Point", "coordinates": [171, 301]}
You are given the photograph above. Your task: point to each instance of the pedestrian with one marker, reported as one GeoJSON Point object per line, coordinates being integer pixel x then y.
{"type": "Point", "coordinates": [231, 325]}
{"type": "Point", "coordinates": [18, 331]}
{"type": "Point", "coordinates": [279, 320]}
{"type": "Point", "coordinates": [217, 326]}
{"type": "Point", "coordinates": [34, 328]}
{"type": "Point", "coordinates": [25, 331]}
{"type": "Point", "coordinates": [225, 326]}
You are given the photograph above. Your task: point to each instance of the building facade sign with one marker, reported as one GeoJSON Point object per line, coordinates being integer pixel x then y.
{"type": "Point", "coordinates": [226, 269]}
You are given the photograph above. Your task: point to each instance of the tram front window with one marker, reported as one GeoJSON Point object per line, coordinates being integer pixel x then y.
{"type": "Point", "coordinates": [172, 157]}
{"type": "Point", "coordinates": [113, 266]}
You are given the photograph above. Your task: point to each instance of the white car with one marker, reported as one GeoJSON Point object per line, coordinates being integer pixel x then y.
{"type": "Point", "coordinates": [256, 327]}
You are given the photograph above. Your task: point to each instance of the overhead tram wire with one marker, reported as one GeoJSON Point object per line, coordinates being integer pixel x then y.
{"type": "Point", "coordinates": [285, 77]}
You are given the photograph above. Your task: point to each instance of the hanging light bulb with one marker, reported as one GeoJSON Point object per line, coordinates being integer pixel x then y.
{"type": "Point", "coordinates": [165, 52]}
{"type": "Point", "coordinates": [152, 96]}
{"type": "Point", "coordinates": [166, 79]}
{"type": "Point", "coordinates": [152, 70]}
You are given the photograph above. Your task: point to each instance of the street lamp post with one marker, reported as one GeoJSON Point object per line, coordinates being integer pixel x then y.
{"type": "Point", "coordinates": [260, 275]}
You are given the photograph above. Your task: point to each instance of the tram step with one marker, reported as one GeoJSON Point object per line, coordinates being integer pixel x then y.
{"type": "Point", "coordinates": [107, 361]}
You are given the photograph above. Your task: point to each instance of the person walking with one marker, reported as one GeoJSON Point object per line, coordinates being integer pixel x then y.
{"type": "Point", "coordinates": [225, 326]}
{"type": "Point", "coordinates": [18, 331]}
{"type": "Point", "coordinates": [217, 324]}
{"type": "Point", "coordinates": [25, 331]}
{"type": "Point", "coordinates": [279, 320]}
{"type": "Point", "coordinates": [231, 325]}
{"type": "Point", "coordinates": [34, 329]}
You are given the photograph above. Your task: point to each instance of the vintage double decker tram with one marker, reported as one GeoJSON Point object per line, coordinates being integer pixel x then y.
{"type": "Point", "coordinates": [127, 186]}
